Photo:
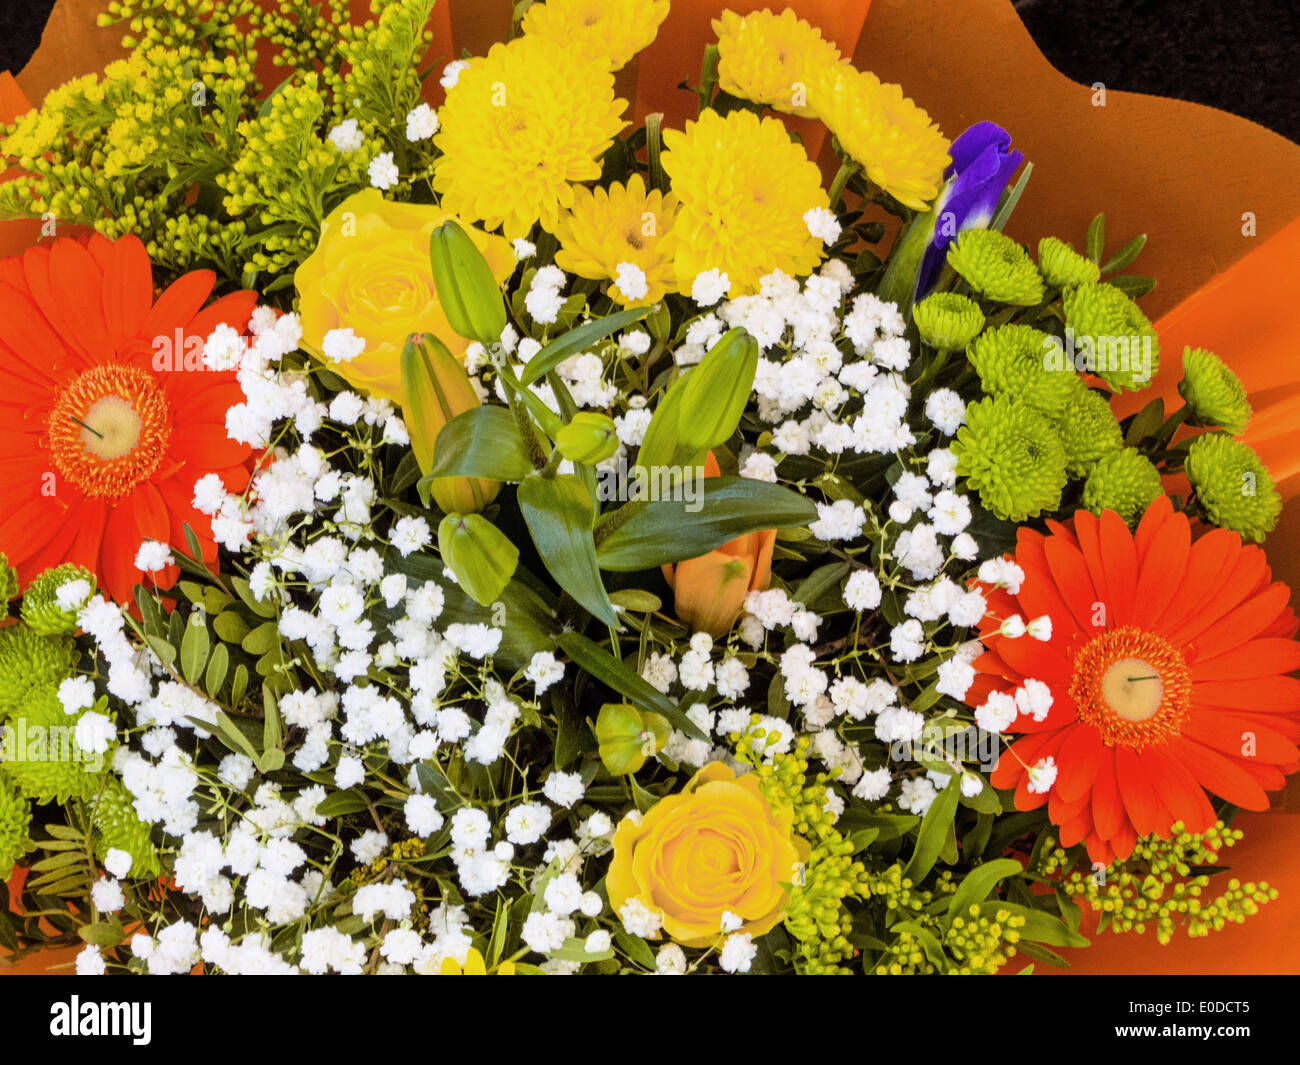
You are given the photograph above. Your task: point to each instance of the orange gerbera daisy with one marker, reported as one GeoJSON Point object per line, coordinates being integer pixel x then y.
{"type": "Point", "coordinates": [1167, 665]}
{"type": "Point", "coordinates": [100, 448]}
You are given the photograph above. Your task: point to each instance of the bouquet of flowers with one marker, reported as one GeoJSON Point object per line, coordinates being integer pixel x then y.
{"type": "Point", "coordinates": [569, 544]}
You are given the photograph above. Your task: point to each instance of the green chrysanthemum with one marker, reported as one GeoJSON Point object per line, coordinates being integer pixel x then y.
{"type": "Point", "coordinates": [15, 822]}
{"type": "Point", "coordinates": [1089, 430]}
{"type": "Point", "coordinates": [41, 608]}
{"type": "Point", "coordinates": [1063, 266]}
{"type": "Point", "coordinates": [29, 661]}
{"type": "Point", "coordinates": [948, 321]}
{"type": "Point", "coordinates": [1010, 361]}
{"type": "Point", "coordinates": [1125, 352]}
{"type": "Point", "coordinates": [996, 267]}
{"type": "Point", "coordinates": [8, 582]}
{"type": "Point", "coordinates": [1213, 392]}
{"type": "Point", "coordinates": [40, 753]}
{"type": "Point", "coordinates": [1012, 456]}
{"type": "Point", "coordinates": [1124, 481]}
{"type": "Point", "coordinates": [1233, 485]}
{"type": "Point", "coordinates": [117, 826]}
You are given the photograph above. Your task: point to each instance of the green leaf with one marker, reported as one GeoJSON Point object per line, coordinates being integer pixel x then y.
{"type": "Point", "coordinates": [590, 656]}
{"type": "Point", "coordinates": [670, 530]}
{"type": "Point", "coordinates": [239, 684]}
{"type": "Point", "coordinates": [977, 884]}
{"type": "Point", "coordinates": [272, 728]}
{"type": "Point", "coordinates": [479, 554]}
{"type": "Point", "coordinates": [636, 948]}
{"type": "Point", "coordinates": [560, 513]}
{"type": "Point", "coordinates": [1125, 255]}
{"type": "Point", "coordinates": [823, 581]}
{"type": "Point", "coordinates": [194, 647]}
{"type": "Point", "coordinates": [935, 826]}
{"type": "Point", "coordinates": [341, 803]}
{"type": "Point", "coordinates": [262, 608]}
{"type": "Point", "coordinates": [1096, 242]}
{"type": "Point", "coordinates": [107, 933]}
{"type": "Point", "coordinates": [264, 638]}
{"type": "Point", "coordinates": [636, 600]}
{"type": "Point", "coordinates": [1009, 199]}
{"type": "Point", "coordinates": [1146, 423]}
{"type": "Point", "coordinates": [482, 442]}
{"type": "Point", "coordinates": [162, 649]}
{"type": "Point", "coordinates": [579, 339]}
{"type": "Point", "coordinates": [1133, 287]}
{"type": "Point", "coordinates": [575, 950]}
{"type": "Point", "coordinates": [500, 928]}
{"type": "Point", "coordinates": [233, 736]}
{"type": "Point", "coordinates": [229, 626]}
{"type": "Point", "coordinates": [218, 665]}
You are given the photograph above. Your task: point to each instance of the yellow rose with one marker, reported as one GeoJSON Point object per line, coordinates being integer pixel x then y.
{"type": "Point", "coordinates": [370, 273]}
{"type": "Point", "coordinates": [716, 846]}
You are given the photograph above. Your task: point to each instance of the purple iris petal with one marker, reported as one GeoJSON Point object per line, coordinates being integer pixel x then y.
{"type": "Point", "coordinates": [982, 164]}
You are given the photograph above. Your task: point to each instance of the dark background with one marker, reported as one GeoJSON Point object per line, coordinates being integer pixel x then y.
{"type": "Point", "coordinates": [1238, 55]}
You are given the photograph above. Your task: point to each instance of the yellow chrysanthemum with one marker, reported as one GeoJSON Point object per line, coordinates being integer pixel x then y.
{"type": "Point", "coordinates": [520, 125]}
{"type": "Point", "coordinates": [744, 187]}
{"type": "Point", "coordinates": [474, 966]}
{"type": "Point", "coordinates": [771, 59]}
{"type": "Point", "coordinates": [625, 224]}
{"type": "Point", "coordinates": [881, 129]}
{"type": "Point", "coordinates": [613, 30]}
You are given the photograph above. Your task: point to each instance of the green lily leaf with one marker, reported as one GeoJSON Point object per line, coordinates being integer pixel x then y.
{"type": "Point", "coordinates": [483, 442]}
{"type": "Point", "coordinates": [560, 514]}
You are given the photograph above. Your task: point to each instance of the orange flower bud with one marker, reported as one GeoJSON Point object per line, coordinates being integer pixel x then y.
{"type": "Point", "coordinates": [709, 591]}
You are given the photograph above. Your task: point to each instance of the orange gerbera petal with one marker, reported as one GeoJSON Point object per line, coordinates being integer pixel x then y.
{"type": "Point", "coordinates": [1179, 688]}
{"type": "Point", "coordinates": [90, 432]}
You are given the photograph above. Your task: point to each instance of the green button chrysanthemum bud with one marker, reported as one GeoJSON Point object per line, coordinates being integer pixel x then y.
{"type": "Point", "coordinates": [40, 754]}
{"type": "Point", "coordinates": [1063, 266]}
{"type": "Point", "coordinates": [1010, 360]}
{"type": "Point", "coordinates": [1089, 430]}
{"type": "Point", "coordinates": [15, 822]}
{"type": "Point", "coordinates": [996, 267]}
{"type": "Point", "coordinates": [1233, 485]}
{"type": "Point", "coordinates": [589, 437]}
{"type": "Point", "coordinates": [948, 321]}
{"type": "Point", "coordinates": [1213, 392]}
{"type": "Point", "coordinates": [117, 827]}
{"type": "Point", "coordinates": [30, 661]}
{"type": "Point", "coordinates": [1125, 352]}
{"type": "Point", "coordinates": [1012, 455]}
{"type": "Point", "coordinates": [8, 581]}
{"type": "Point", "coordinates": [41, 608]}
{"type": "Point", "coordinates": [1124, 481]}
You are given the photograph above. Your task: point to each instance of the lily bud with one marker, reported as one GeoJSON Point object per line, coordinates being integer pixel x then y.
{"type": "Point", "coordinates": [627, 737]}
{"type": "Point", "coordinates": [709, 591]}
{"type": "Point", "coordinates": [589, 437]}
{"type": "Point", "coordinates": [715, 393]}
{"type": "Point", "coordinates": [480, 555]}
{"type": "Point", "coordinates": [437, 389]}
{"type": "Point", "coordinates": [467, 290]}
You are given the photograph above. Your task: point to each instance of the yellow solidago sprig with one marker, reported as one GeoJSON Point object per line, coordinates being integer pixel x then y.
{"type": "Point", "coordinates": [1157, 889]}
{"type": "Point", "coordinates": [520, 127]}
{"type": "Point", "coordinates": [286, 174]}
{"type": "Point", "coordinates": [771, 59]}
{"type": "Point", "coordinates": [607, 228]}
{"type": "Point", "coordinates": [610, 30]}
{"type": "Point", "coordinates": [883, 131]}
{"type": "Point", "coordinates": [816, 915]}
{"type": "Point", "coordinates": [382, 61]}
{"type": "Point", "coordinates": [744, 189]}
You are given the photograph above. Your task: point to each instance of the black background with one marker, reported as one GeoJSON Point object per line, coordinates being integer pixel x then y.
{"type": "Point", "coordinates": [1239, 55]}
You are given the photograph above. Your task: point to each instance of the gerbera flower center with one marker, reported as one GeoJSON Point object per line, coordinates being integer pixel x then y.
{"type": "Point", "coordinates": [1133, 686]}
{"type": "Point", "coordinates": [109, 430]}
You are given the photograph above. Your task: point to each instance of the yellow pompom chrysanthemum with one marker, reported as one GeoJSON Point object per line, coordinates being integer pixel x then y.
{"type": "Point", "coordinates": [744, 188]}
{"type": "Point", "coordinates": [771, 59]}
{"type": "Point", "coordinates": [625, 224]}
{"type": "Point", "coordinates": [894, 140]}
{"type": "Point", "coordinates": [613, 30]}
{"type": "Point", "coordinates": [519, 127]}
